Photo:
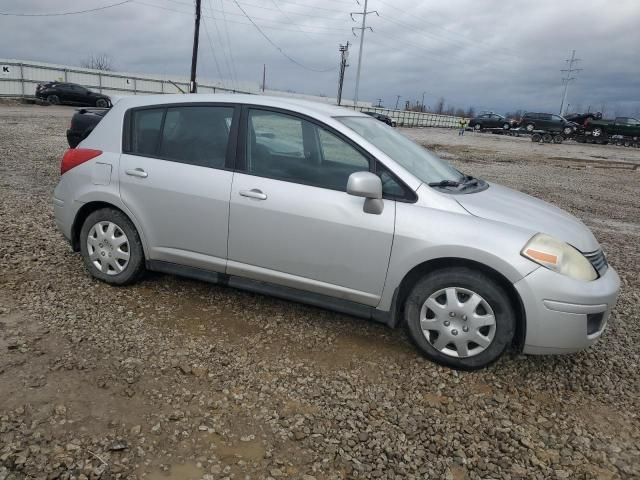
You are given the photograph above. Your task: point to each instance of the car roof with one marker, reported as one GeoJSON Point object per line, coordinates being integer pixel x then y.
{"type": "Point", "coordinates": [302, 106]}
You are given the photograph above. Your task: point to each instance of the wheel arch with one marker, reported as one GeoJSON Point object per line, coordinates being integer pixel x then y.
{"type": "Point", "coordinates": [417, 272]}
{"type": "Point", "coordinates": [90, 207]}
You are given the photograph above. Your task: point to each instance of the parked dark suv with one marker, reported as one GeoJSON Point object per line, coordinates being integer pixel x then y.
{"type": "Point", "coordinates": [59, 92]}
{"type": "Point", "coordinates": [547, 121]}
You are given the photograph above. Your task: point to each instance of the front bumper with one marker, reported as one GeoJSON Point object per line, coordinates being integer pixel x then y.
{"type": "Point", "coordinates": [564, 315]}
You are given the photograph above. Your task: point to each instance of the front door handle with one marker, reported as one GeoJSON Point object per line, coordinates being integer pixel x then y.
{"type": "Point", "coordinates": [253, 193]}
{"type": "Point", "coordinates": [137, 172]}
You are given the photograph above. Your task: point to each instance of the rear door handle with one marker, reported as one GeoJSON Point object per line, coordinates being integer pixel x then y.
{"type": "Point", "coordinates": [137, 172]}
{"type": "Point", "coordinates": [253, 193]}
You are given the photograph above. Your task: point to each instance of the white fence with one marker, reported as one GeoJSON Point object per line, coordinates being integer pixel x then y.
{"type": "Point", "coordinates": [19, 78]}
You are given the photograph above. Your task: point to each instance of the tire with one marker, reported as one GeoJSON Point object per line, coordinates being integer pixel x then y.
{"type": "Point", "coordinates": [506, 126]}
{"type": "Point", "coordinates": [597, 132]}
{"type": "Point", "coordinates": [536, 137]}
{"type": "Point", "coordinates": [530, 127]}
{"type": "Point", "coordinates": [53, 99]}
{"type": "Point", "coordinates": [567, 130]}
{"type": "Point", "coordinates": [467, 285]}
{"type": "Point", "coordinates": [477, 127]}
{"type": "Point", "coordinates": [99, 251]}
{"type": "Point", "coordinates": [558, 139]}
{"type": "Point", "coordinates": [547, 138]}
{"type": "Point", "coordinates": [102, 103]}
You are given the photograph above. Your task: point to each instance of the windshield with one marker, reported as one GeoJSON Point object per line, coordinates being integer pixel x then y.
{"type": "Point", "coordinates": [417, 160]}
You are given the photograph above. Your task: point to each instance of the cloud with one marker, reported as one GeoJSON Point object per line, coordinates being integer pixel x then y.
{"type": "Point", "coordinates": [492, 54]}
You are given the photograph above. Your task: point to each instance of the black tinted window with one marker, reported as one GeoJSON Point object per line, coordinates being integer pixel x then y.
{"type": "Point", "coordinates": [289, 148]}
{"type": "Point", "coordinates": [145, 130]}
{"type": "Point", "coordinates": [196, 135]}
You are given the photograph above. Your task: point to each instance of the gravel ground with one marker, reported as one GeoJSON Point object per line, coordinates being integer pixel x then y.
{"type": "Point", "coordinates": [178, 379]}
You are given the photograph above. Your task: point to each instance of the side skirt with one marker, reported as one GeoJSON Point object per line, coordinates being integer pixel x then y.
{"type": "Point", "coordinates": [287, 293]}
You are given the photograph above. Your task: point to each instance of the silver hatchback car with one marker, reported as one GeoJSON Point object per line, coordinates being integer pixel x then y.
{"type": "Point", "coordinates": [330, 207]}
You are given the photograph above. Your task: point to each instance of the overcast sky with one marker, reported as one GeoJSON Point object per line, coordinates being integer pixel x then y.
{"type": "Point", "coordinates": [491, 54]}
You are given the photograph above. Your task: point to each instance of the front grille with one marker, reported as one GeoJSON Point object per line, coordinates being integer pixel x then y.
{"type": "Point", "coordinates": [598, 261]}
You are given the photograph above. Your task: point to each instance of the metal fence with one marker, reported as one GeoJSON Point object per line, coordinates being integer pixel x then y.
{"type": "Point", "coordinates": [416, 119]}
{"type": "Point", "coordinates": [19, 79]}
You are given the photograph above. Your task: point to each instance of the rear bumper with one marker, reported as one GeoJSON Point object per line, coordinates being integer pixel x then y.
{"type": "Point", "coordinates": [565, 315]}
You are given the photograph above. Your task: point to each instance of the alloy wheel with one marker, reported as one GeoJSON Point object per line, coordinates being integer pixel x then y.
{"type": "Point", "coordinates": [108, 248]}
{"type": "Point", "coordinates": [458, 322]}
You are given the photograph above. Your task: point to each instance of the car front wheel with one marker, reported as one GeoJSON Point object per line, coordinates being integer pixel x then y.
{"type": "Point", "coordinates": [102, 103]}
{"type": "Point", "coordinates": [477, 126]}
{"type": "Point", "coordinates": [530, 127]}
{"type": "Point", "coordinates": [460, 317]}
{"type": "Point", "coordinates": [53, 99]}
{"type": "Point", "coordinates": [506, 126]}
{"type": "Point", "coordinates": [111, 247]}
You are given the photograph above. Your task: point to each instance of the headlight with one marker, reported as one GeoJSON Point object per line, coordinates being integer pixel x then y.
{"type": "Point", "coordinates": [559, 257]}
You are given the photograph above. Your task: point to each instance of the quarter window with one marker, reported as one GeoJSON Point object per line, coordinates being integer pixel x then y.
{"type": "Point", "coordinates": [145, 130]}
{"type": "Point", "coordinates": [289, 148]}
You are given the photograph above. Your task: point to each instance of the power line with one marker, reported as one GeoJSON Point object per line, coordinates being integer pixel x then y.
{"type": "Point", "coordinates": [266, 37]}
{"type": "Point", "coordinates": [226, 49]}
{"type": "Point", "coordinates": [226, 33]}
{"type": "Point", "coordinates": [213, 52]}
{"type": "Point", "coordinates": [77, 12]}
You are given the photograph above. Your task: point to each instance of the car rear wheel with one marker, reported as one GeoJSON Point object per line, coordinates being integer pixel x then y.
{"type": "Point", "coordinates": [460, 317]}
{"type": "Point", "coordinates": [111, 247]}
{"type": "Point", "coordinates": [102, 103]}
{"type": "Point", "coordinates": [506, 126]}
{"type": "Point", "coordinates": [597, 132]}
{"type": "Point", "coordinates": [567, 130]}
{"type": "Point", "coordinates": [53, 99]}
{"type": "Point", "coordinates": [530, 127]}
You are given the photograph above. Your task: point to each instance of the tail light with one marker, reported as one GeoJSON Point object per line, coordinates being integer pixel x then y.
{"type": "Point", "coordinates": [76, 156]}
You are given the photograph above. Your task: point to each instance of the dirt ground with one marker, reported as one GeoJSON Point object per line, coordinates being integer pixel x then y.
{"type": "Point", "coordinates": [179, 379]}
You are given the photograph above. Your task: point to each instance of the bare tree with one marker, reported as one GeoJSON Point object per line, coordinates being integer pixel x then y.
{"type": "Point", "coordinates": [439, 106]}
{"type": "Point", "coordinates": [100, 61]}
{"type": "Point", "coordinates": [471, 112]}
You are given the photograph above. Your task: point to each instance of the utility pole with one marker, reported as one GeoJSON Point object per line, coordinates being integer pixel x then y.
{"type": "Point", "coordinates": [193, 87]}
{"type": "Point", "coordinates": [422, 104]}
{"type": "Point", "coordinates": [379, 103]}
{"type": "Point", "coordinates": [344, 56]}
{"type": "Point", "coordinates": [264, 75]}
{"type": "Point", "coordinates": [362, 29]}
{"type": "Point", "coordinates": [397, 100]}
{"type": "Point", "coordinates": [573, 60]}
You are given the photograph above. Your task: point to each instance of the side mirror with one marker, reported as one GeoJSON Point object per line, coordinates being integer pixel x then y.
{"type": "Point", "coordinates": [369, 186]}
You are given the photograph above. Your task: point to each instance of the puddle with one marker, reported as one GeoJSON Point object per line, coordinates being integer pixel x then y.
{"type": "Point", "coordinates": [187, 471]}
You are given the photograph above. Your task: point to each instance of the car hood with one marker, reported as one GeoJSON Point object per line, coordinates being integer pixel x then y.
{"type": "Point", "coordinates": [505, 205]}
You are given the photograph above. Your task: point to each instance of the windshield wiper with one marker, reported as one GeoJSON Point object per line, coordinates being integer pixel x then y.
{"type": "Point", "coordinates": [445, 183]}
{"type": "Point", "coordinates": [470, 181]}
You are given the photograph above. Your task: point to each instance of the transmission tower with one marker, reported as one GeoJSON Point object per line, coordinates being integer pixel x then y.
{"type": "Point", "coordinates": [362, 29]}
{"type": "Point", "coordinates": [569, 78]}
{"type": "Point", "coordinates": [344, 57]}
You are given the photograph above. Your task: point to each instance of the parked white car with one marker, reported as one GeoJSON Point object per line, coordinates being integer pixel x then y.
{"type": "Point", "coordinates": [331, 207]}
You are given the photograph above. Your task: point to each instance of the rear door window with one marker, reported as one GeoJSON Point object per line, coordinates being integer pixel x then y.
{"type": "Point", "coordinates": [196, 135]}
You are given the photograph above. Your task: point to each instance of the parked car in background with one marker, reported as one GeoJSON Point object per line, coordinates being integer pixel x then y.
{"type": "Point", "coordinates": [325, 205]}
{"type": "Point", "coordinates": [57, 93]}
{"type": "Point", "coordinates": [491, 120]}
{"type": "Point", "coordinates": [626, 127]}
{"type": "Point", "coordinates": [547, 121]}
{"type": "Point", "coordinates": [383, 118]}
{"type": "Point", "coordinates": [82, 124]}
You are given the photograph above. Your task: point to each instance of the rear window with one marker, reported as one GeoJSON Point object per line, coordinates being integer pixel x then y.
{"type": "Point", "coordinates": [195, 135]}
